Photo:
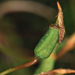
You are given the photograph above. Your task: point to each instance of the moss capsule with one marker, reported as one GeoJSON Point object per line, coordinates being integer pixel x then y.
{"type": "Point", "coordinates": [47, 43]}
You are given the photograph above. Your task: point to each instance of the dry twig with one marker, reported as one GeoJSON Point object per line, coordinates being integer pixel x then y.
{"type": "Point", "coordinates": [70, 44]}
{"type": "Point", "coordinates": [57, 71]}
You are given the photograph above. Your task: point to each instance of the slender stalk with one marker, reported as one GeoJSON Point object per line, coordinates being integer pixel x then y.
{"type": "Point", "coordinates": [58, 72]}
{"type": "Point", "coordinates": [34, 61]}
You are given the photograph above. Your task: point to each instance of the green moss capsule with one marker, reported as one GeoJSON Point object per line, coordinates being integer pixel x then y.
{"type": "Point", "coordinates": [47, 43]}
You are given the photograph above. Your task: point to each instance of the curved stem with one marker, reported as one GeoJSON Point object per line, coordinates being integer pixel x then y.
{"type": "Point", "coordinates": [34, 61]}
{"type": "Point", "coordinates": [27, 6]}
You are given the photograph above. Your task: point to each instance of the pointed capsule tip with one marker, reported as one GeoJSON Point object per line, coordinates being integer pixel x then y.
{"type": "Point", "coordinates": [59, 7]}
{"type": "Point", "coordinates": [57, 2]}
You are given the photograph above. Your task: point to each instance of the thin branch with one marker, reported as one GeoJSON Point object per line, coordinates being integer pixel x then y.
{"type": "Point", "coordinates": [58, 71]}
{"type": "Point", "coordinates": [34, 61]}
{"type": "Point", "coordinates": [68, 46]}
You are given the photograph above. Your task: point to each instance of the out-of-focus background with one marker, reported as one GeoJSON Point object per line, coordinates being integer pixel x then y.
{"type": "Point", "coordinates": [23, 23]}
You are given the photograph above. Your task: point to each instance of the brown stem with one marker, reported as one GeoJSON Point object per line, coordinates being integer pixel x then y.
{"type": "Point", "coordinates": [58, 71]}
{"type": "Point", "coordinates": [34, 61]}
{"type": "Point", "coordinates": [70, 44]}
{"type": "Point", "coordinates": [27, 6]}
